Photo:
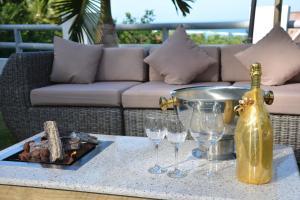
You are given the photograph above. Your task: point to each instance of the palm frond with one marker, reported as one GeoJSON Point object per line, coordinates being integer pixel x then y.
{"type": "Point", "coordinates": [183, 6]}
{"type": "Point", "coordinates": [85, 13]}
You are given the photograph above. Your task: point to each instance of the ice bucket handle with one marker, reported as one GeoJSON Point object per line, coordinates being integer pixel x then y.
{"type": "Point", "coordinates": [165, 103]}
{"type": "Point", "coordinates": [268, 98]}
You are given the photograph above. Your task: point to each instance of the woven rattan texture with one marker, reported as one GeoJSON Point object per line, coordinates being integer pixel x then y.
{"type": "Point", "coordinates": [135, 118]}
{"type": "Point", "coordinates": [22, 73]}
{"type": "Point", "coordinates": [86, 119]}
{"type": "Point", "coordinates": [287, 131]}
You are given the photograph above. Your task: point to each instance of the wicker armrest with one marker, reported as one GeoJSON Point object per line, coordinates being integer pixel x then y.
{"type": "Point", "coordinates": [22, 73]}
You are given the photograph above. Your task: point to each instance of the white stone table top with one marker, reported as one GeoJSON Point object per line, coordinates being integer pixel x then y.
{"type": "Point", "coordinates": [121, 169]}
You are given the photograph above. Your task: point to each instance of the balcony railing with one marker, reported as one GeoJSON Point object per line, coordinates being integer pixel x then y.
{"type": "Point", "coordinates": [19, 45]}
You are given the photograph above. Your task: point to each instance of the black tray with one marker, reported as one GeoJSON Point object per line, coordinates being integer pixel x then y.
{"type": "Point", "coordinates": [10, 157]}
{"type": "Point", "coordinates": [85, 149]}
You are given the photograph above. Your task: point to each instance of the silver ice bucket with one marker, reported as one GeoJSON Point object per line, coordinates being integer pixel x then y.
{"type": "Point", "coordinates": [185, 100]}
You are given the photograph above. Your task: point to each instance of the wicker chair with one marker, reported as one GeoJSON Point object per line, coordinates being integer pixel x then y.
{"type": "Point", "coordinates": [27, 71]}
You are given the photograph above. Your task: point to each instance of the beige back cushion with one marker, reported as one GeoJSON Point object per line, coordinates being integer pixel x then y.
{"type": "Point", "coordinates": [210, 74]}
{"type": "Point", "coordinates": [75, 62]}
{"type": "Point", "coordinates": [231, 68]}
{"type": "Point", "coordinates": [296, 78]}
{"type": "Point", "coordinates": [179, 59]}
{"type": "Point", "coordinates": [122, 64]}
{"type": "Point", "coordinates": [278, 55]}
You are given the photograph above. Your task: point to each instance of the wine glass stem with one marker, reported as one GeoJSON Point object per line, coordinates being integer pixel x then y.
{"type": "Point", "coordinates": [213, 162]}
{"type": "Point", "coordinates": [156, 150]}
{"type": "Point", "coordinates": [213, 148]}
{"type": "Point", "coordinates": [176, 156]}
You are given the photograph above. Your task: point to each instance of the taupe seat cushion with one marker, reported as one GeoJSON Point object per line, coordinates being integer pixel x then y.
{"type": "Point", "coordinates": [286, 98]}
{"type": "Point", "coordinates": [147, 95]}
{"type": "Point", "coordinates": [95, 94]}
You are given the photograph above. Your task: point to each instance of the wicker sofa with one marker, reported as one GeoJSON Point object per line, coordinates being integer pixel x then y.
{"type": "Point", "coordinates": [123, 114]}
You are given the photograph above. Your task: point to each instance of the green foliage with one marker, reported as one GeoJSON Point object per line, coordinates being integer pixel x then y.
{"type": "Point", "coordinates": [27, 12]}
{"type": "Point", "coordinates": [140, 37]}
{"type": "Point", "coordinates": [198, 38]}
{"type": "Point", "coordinates": [85, 15]}
{"type": "Point", "coordinates": [41, 11]}
{"type": "Point", "coordinates": [183, 5]}
{"type": "Point", "coordinates": [84, 22]}
{"type": "Point", "coordinates": [13, 13]}
{"type": "Point", "coordinates": [155, 37]}
{"type": "Point", "coordinates": [217, 39]}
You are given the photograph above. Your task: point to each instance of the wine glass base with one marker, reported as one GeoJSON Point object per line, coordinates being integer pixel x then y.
{"type": "Point", "coordinates": [213, 169]}
{"type": "Point", "coordinates": [157, 170]}
{"type": "Point", "coordinates": [177, 174]}
{"type": "Point", "coordinates": [197, 153]}
{"type": "Point", "coordinates": [211, 174]}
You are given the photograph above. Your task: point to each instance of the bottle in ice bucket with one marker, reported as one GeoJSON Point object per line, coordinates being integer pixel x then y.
{"type": "Point", "coordinates": [253, 134]}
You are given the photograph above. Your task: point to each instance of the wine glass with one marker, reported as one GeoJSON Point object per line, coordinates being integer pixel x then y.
{"type": "Point", "coordinates": [214, 129]}
{"type": "Point", "coordinates": [197, 130]}
{"type": "Point", "coordinates": [176, 134]}
{"type": "Point", "coordinates": [155, 131]}
{"type": "Point", "coordinates": [214, 124]}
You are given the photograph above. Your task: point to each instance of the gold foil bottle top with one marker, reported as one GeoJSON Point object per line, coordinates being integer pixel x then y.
{"type": "Point", "coordinates": [255, 69]}
{"type": "Point", "coordinates": [255, 73]}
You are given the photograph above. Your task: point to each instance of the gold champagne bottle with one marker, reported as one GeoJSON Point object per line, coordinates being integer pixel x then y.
{"type": "Point", "coordinates": [253, 134]}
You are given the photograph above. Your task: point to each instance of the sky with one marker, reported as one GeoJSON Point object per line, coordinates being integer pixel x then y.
{"type": "Point", "coordinates": [202, 10]}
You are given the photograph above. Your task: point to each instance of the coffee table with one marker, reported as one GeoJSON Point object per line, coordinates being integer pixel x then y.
{"type": "Point", "coordinates": [121, 170]}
